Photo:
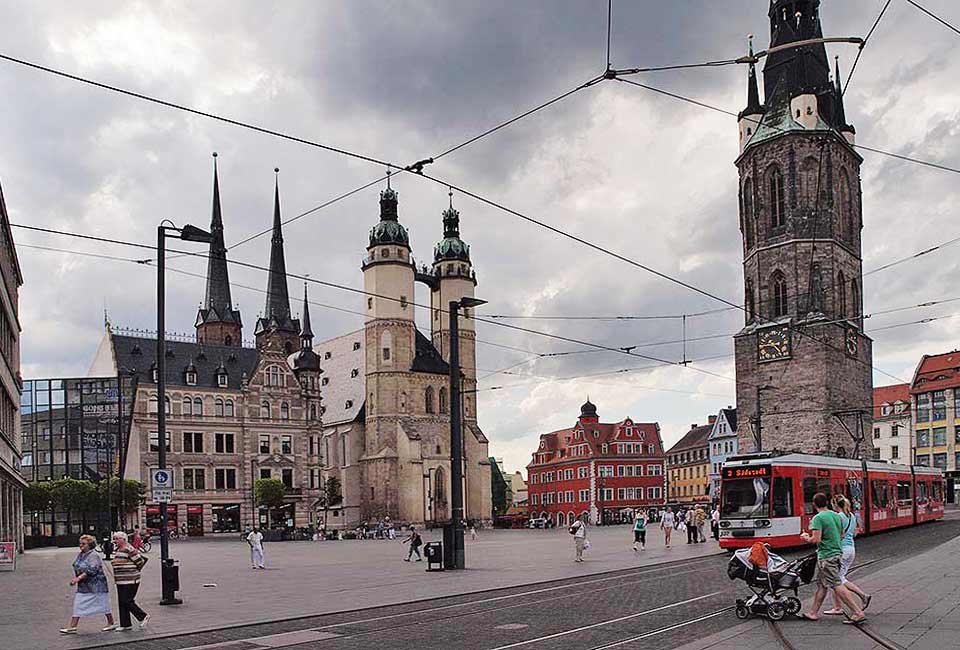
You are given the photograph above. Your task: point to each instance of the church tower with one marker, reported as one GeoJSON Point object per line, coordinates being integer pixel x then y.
{"type": "Point", "coordinates": [218, 323]}
{"type": "Point", "coordinates": [276, 328]}
{"type": "Point", "coordinates": [802, 357]}
{"type": "Point", "coordinates": [391, 347]}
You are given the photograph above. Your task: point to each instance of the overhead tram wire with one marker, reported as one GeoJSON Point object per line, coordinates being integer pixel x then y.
{"type": "Point", "coordinates": [926, 251]}
{"type": "Point", "coordinates": [717, 109]}
{"type": "Point", "coordinates": [863, 45]}
{"type": "Point", "coordinates": [934, 16]}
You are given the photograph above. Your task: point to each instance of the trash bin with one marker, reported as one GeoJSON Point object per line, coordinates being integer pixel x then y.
{"type": "Point", "coordinates": [433, 552]}
{"type": "Point", "coordinates": [170, 574]}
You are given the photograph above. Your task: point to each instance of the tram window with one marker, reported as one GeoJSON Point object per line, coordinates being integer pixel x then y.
{"type": "Point", "coordinates": [903, 493]}
{"type": "Point", "coordinates": [921, 492]}
{"type": "Point", "coordinates": [746, 498]}
{"type": "Point", "coordinates": [809, 489]}
{"type": "Point", "coordinates": [782, 496]}
{"type": "Point", "coordinates": [937, 493]}
{"type": "Point", "coordinates": [879, 489]}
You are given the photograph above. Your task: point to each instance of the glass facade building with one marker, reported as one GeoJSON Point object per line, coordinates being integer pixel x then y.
{"type": "Point", "coordinates": [76, 428]}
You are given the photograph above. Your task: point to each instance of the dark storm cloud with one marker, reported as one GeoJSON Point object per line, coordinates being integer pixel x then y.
{"type": "Point", "coordinates": [639, 173]}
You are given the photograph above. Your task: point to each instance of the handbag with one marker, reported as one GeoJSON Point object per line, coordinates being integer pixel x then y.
{"type": "Point", "coordinates": [586, 543]}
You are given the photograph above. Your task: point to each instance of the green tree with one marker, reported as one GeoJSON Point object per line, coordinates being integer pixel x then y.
{"type": "Point", "coordinates": [332, 491]}
{"type": "Point", "coordinates": [269, 493]}
{"type": "Point", "coordinates": [78, 497]}
{"type": "Point", "coordinates": [133, 494]}
{"type": "Point", "coordinates": [38, 497]}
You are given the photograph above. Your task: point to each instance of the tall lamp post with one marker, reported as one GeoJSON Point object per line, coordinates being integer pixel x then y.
{"type": "Point", "coordinates": [456, 433]}
{"type": "Point", "coordinates": [168, 577]}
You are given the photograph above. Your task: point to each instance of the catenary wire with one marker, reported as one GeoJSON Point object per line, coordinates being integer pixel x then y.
{"type": "Point", "coordinates": [195, 111]}
{"type": "Point", "coordinates": [925, 251]}
{"type": "Point", "coordinates": [863, 44]}
{"type": "Point", "coordinates": [934, 16]}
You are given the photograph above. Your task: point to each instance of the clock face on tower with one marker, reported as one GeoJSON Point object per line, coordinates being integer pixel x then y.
{"type": "Point", "coordinates": [773, 344]}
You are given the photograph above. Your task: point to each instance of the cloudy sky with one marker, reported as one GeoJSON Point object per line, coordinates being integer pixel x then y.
{"type": "Point", "coordinates": [647, 176]}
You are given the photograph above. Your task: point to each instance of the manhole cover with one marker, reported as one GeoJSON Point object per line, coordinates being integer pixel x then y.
{"type": "Point", "coordinates": [511, 626]}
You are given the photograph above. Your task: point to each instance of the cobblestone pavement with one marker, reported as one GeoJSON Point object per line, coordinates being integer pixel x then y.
{"type": "Point", "coordinates": [673, 596]}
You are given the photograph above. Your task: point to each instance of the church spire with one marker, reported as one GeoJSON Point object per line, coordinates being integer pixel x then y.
{"type": "Point", "coordinates": [452, 247]}
{"type": "Point", "coordinates": [278, 300]}
{"type": "Point", "coordinates": [754, 107]}
{"type": "Point", "coordinates": [306, 332]}
{"type": "Point", "coordinates": [276, 312]}
{"type": "Point", "coordinates": [218, 322]}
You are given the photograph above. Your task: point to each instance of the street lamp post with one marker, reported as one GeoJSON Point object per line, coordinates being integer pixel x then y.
{"type": "Point", "coordinates": [187, 233]}
{"type": "Point", "coordinates": [456, 432]}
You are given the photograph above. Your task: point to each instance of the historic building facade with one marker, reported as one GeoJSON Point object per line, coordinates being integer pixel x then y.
{"type": "Point", "coordinates": [892, 430]}
{"type": "Point", "coordinates": [688, 466]}
{"type": "Point", "coordinates": [605, 471]}
{"type": "Point", "coordinates": [802, 357]}
{"type": "Point", "coordinates": [369, 408]}
{"type": "Point", "coordinates": [11, 384]}
{"type": "Point", "coordinates": [935, 414]}
{"type": "Point", "coordinates": [723, 444]}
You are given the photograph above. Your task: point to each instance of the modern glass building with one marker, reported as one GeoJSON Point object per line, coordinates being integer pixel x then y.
{"type": "Point", "coordinates": [75, 428]}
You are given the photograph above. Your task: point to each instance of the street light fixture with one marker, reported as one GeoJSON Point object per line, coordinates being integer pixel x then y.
{"type": "Point", "coordinates": [168, 579]}
{"type": "Point", "coordinates": [456, 553]}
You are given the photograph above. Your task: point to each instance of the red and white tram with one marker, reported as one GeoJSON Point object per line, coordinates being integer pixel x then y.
{"type": "Point", "coordinates": [769, 498]}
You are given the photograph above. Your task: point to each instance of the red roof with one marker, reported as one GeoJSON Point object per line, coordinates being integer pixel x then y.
{"type": "Point", "coordinates": [594, 435]}
{"type": "Point", "coordinates": [937, 372]}
{"type": "Point", "coordinates": [694, 438]}
{"type": "Point", "coordinates": [890, 395]}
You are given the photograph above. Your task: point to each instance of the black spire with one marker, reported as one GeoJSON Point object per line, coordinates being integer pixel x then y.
{"type": "Point", "coordinates": [754, 107]}
{"type": "Point", "coordinates": [389, 230]}
{"type": "Point", "coordinates": [217, 304]}
{"type": "Point", "coordinates": [276, 313]}
{"type": "Point", "coordinates": [306, 332]}
{"type": "Point", "coordinates": [217, 296]}
{"type": "Point", "coordinates": [278, 300]}
{"type": "Point", "coordinates": [840, 116]}
{"type": "Point", "coordinates": [805, 70]}
{"type": "Point", "coordinates": [452, 247]}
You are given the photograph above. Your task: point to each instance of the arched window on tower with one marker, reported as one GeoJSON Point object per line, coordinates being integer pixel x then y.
{"type": "Point", "coordinates": [228, 408]}
{"type": "Point", "coordinates": [749, 301]}
{"type": "Point", "coordinates": [428, 399]}
{"type": "Point", "coordinates": [778, 206]}
{"type": "Point", "coordinates": [440, 487]}
{"type": "Point", "coordinates": [841, 295]}
{"type": "Point", "coordinates": [846, 207]}
{"type": "Point", "coordinates": [284, 411]}
{"type": "Point", "coordinates": [748, 220]}
{"type": "Point", "coordinates": [264, 410]}
{"type": "Point", "coordinates": [778, 295]}
{"type": "Point", "coordinates": [386, 347]}
{"type": "Point", "coordinates": [187, 406]}
{"type": "Point", "coordinates": [218, 407]}
{"type": "Point", "coordinates": [197, 406]}
{"type": "Point", "coordinates": [855, 298]}
{"type": "Point", "coordinates": [442, 398]}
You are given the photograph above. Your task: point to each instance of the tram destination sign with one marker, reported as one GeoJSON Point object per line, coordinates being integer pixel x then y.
{"type": "Point", "coordinates": [752, 471]}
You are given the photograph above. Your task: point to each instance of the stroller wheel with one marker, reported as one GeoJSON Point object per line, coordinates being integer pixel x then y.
{"type": "Point", "coordinates": [793, 606]}
{"type": "Point", "coordinates": [776, 610]}
{"type": "Point", "coordinates": [742, 612]}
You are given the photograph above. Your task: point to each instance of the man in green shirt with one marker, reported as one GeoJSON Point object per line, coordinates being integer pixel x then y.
{"type": "Point", "coordinates": [826, 531]}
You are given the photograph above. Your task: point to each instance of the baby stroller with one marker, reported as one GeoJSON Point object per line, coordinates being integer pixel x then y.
{"type": "Point", "coordinates": [769, 576]}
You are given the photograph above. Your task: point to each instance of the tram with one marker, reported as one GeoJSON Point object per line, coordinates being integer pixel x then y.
{"type": "Point", "coordinates": [769, 498]}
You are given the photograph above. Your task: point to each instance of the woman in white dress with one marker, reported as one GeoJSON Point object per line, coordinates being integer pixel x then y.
{"type": "Point", "coordinates": [93, 593]}
{"type": "Point", "coordinates": [667, 523]}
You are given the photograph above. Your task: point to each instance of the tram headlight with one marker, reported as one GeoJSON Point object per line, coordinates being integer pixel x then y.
{"type": "Point", "coordinates": [761, 523]}
{"type": "Point", "coordinates": [724, 524]}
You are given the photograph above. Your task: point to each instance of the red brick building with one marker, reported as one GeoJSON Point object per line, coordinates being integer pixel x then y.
{"type": "Point", "coordinates": [595, 467]}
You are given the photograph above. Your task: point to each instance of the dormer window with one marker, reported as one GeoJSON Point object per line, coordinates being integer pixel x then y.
{"type": "Point", "coordinates": [154, 375]}
{"type": "Point", "coordinates": [191, 377]}
{"type": "Point", "coordinates": [222, 379]}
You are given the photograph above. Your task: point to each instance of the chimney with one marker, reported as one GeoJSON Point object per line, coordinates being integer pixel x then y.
{"type": "Point", "coordinates": [711, 419]}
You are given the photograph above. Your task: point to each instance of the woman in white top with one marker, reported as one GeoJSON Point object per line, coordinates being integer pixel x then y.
{"type": "Point", "coordinates": [667, 523]}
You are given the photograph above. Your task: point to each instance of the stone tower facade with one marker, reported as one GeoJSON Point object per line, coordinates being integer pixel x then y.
{"type": "Point", "coordinates": [802, 356]}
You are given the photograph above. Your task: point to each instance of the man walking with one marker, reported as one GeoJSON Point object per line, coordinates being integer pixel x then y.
{"type": "Point", "coordinates": [701, 516]}
{"type": "Point", "coordinates": [691, 523]}
{"type": "Point", "coordinates": [255, 540]}
{"type": "Point", "coordinates": [579, 532]}
{"type": "Point", "coordinates": [415, 542]}
{"type": "Point", "coordinates": [826, 531]}
{"type": "Point", "coordinates": [715, 522]}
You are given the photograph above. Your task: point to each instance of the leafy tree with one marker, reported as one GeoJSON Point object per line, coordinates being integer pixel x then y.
{"type": "Point", "coordinates": [133, 493]}
{"type": "Point", "coordinates": [332, 491]}
{"type": "Point", "coordinates": [38, 497]}
{"type": "Point", "coordinates": [269, 493]}
{"type": "Point", "coordinates": [75, 496]}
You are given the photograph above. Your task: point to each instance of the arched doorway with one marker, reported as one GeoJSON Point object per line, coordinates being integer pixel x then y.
{"type": "Point", "coordinates": [560, 518]}
{"type": "Point", "coordinates": [440, 495]}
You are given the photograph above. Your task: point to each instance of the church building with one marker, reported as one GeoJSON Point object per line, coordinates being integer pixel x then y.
{"type": "Point", "coordinates": [803, 361]}
{"type": "Point", "coordinates": [368, 409]}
